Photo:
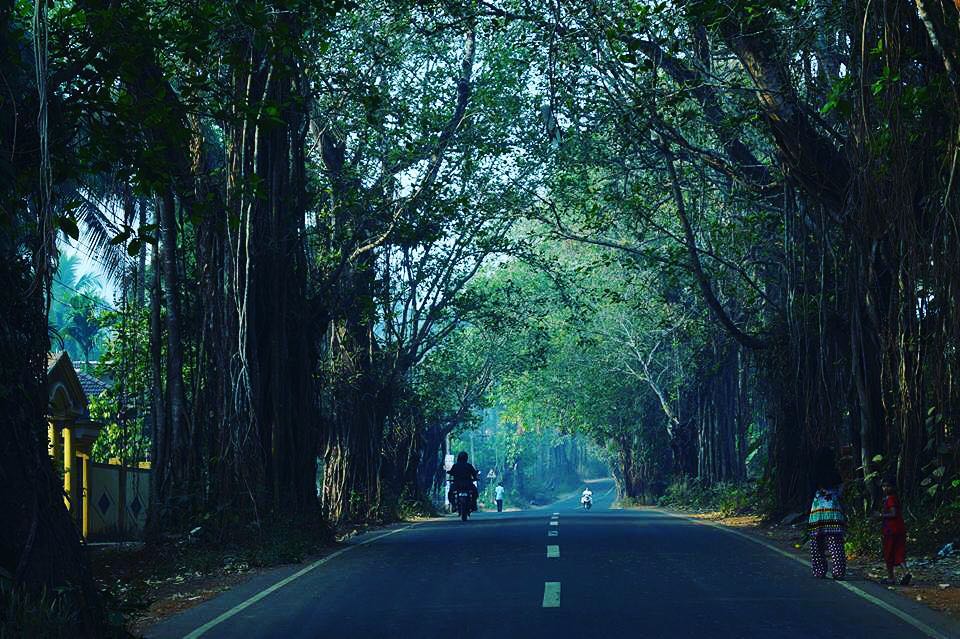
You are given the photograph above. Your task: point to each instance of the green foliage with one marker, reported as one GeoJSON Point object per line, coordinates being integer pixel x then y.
{"type": "Point", "coordinates": [123, 409]}
{"type": "Point", "coordinates": [76, 310]}
{"type": "Point", "coordinates": [726, 498]}
{"type": "Point", "coordinates": [863, 536]}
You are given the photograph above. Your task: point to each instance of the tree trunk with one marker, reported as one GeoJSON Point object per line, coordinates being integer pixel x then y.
{"type": "Point", "coordinates": [39, 544]}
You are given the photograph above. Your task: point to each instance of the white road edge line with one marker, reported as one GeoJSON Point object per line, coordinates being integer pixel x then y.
{"type": "Point", "coordinates": [280, 584]}
{"type": "Point", "coordinates": [553, 551]}
{"type": "Point", "coordinates": [880, 603]}
{"type": "Point", "coordinates": [551, 594]}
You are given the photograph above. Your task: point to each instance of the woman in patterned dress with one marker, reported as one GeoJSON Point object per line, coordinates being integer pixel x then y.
{"type": "Point", "coordinates": [827, 522]}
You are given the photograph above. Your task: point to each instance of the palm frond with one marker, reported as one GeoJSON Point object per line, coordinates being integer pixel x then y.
{"type": "Point", "coordinates": [101, 224]}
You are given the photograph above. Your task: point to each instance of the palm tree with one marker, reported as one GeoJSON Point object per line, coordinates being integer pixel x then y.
{"type": "Point", "coordinates": [84, 327]}
{"type": "Point", "coordinates": [74, 307]}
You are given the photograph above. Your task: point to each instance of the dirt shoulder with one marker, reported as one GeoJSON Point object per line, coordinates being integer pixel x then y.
{"type": "Point", "coordinates": [935, 583]}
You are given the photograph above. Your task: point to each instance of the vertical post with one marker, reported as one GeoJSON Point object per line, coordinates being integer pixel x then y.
{"type": "Point", "coordinates": [85, 525]}
{"type": "Point", "coordinates": [67, 465]}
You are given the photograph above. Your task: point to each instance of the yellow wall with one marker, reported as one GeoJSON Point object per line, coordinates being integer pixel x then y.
{"type": "Point", "coordinates": [105, 498]}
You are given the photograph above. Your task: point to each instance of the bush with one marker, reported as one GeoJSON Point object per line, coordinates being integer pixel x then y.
{"type": "Point", "coordinates": [410, 508]}
{"type": "Point", "coordinates": [725, 497]}
{"type": "Point", "coordinates": [630, 502]}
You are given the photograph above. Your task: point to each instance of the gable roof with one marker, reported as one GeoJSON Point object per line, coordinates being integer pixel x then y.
{"type": "Point", "coordinates": [92, 386]}
{"type": "Point", "coordinates": [60, 371]}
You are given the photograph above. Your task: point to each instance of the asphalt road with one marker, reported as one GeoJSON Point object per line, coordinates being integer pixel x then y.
{"type": "Point", "coordinates": [642, 573]}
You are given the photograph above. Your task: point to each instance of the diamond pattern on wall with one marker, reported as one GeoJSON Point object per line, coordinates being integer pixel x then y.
{"type": "Point", "coordinates": [104, 503]}
{"type": "Point", "coordinates": [136, 506]}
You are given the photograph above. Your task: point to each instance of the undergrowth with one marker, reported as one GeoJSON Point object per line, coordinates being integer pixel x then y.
{"type": "Point", "coordinates": [46, 615]}
{"type": "Point", "coordinates": [929, 526]}
{"type": "Point", "coordinates": [724, 497]}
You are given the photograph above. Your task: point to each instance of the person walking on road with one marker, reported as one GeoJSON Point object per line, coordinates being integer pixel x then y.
{"type": "Point", "coordinates": [498, 495]}
{"type": "Point", "coordinates": [827, 522]}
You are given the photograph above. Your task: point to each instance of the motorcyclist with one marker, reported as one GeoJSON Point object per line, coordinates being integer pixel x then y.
{"type": "Point", "coordinates": [586, 496]}
{"type": "Point", "coordinates": [463, 474]}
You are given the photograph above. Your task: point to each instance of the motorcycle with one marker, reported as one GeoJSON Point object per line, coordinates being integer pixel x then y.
{"type": "Point", "coordinates": [587, 502]}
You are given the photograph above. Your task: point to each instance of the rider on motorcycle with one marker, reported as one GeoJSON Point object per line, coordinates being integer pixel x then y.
{"type": "Point", "coordinates": [587, 495]}
{"type": "Point", "coordinates": [463, 474]}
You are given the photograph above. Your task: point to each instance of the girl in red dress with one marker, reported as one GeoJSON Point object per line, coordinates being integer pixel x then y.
{"type": "Point", "coordinates": [894, 533]}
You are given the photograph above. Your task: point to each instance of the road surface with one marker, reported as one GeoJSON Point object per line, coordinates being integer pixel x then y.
{"type": "Point", "coordinates": [555, 572]}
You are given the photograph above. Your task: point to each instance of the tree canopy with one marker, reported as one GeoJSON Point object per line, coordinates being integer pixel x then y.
{"type": "Point", "coordinates": [712, 238]}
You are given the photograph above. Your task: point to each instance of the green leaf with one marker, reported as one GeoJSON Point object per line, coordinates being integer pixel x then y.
{"type": "Point", "coordinates": [877, 459]}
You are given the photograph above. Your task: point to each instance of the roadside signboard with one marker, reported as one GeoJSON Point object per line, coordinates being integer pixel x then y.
{"type": "Point", "coordinates": [448, 462]}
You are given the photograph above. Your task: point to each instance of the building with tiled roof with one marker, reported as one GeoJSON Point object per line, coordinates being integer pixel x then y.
{"type": "Point", "coordinates": [92, 386]}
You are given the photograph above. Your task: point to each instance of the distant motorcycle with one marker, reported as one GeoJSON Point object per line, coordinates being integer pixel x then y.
{"type": "Point", "coordinates": [587, 502]}
{"type": "Point", "coordinates": [464, 504]}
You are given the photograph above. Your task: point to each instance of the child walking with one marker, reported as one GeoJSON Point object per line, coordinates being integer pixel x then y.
{"type": "Point", "coordinates": [894, 534]}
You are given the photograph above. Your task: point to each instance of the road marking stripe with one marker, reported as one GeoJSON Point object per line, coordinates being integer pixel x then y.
{"type": "Point", "coordinates": [554, 523]}
{"type": "Point", "coordinates": [553, 551]}
{"type": "Point", "coordinates": [880, 603]}
{"type": "Point", "coordinates": [280, 584]}
{"type": "Point", "coordinates": [553, 533]}
{"type": "Point", "coordinates": [551, 594]}
{"type": "Point", "coordinates": [556, 514]}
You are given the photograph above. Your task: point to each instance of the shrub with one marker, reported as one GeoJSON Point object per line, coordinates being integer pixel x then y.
{"type": "Point", "coordinates": [725, 497]}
